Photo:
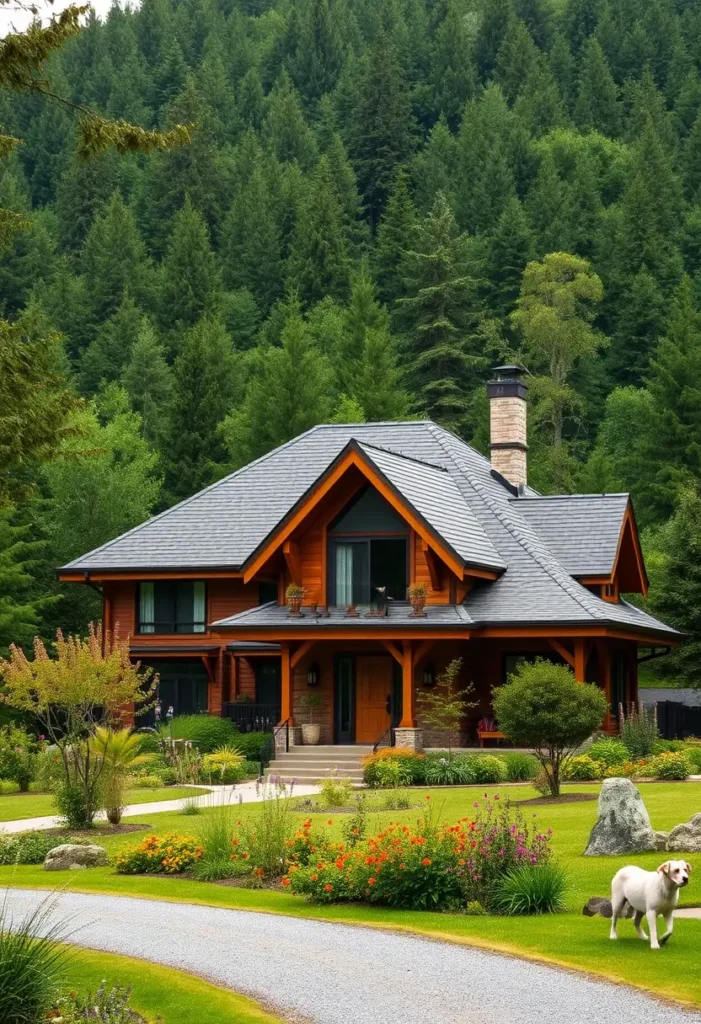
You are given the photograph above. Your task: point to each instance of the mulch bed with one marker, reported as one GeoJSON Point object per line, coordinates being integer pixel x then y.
{"type": "Point", "coordinates": [95, 833]}
{"type": "Point", "coordinates": [567, 798]}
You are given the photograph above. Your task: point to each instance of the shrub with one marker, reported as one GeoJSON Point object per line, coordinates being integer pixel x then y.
{"type": "Point", "coordinates": [7, 787]}
{"type": "Point", "coordinates": [146, 782]}
{"type": "Point", "coordinates": [49, 768]}
{"type": "Point", "coordinates": [217, 833]}
{"type": "Point", "coordinates": [18, 756]}
{"type": "Point", "coordinates": [693, 752]}
{"type": "Point", "coordinates": [31, 964]}
{"type": "Point", "coordinates": [443, 770]}
{"type": "Point", "coordinates": [582, 769]}
{"type": "Point", "coordinates": [251, 744]}
{"type": "Point", "coordinates": [262, 838]}
{"type": "Point", "coordinates": [542, 706]}
{"type": "Point", "coordinates": [627, 770]}
{"type": "Point", "coordinates": [411, 767]}
{"type": "Point", "coordinates": [520, 767]}
{"type": "Point", "coordinates": [191, 807]}
{"type": "Point", "coordinates": [336, 792]}
{"type": "Point", "coordinates": [224, 765]}
{"type": "Point", "coordinates": [107, 1006]}
{"type": "Point", "coordinates": [489, 769]}
{"type": "Point", "coordinates": [168, 854]}
{"type": "Point", "coordinates": [608, 752]}
{"type": "Point", "coordinates": [530, 889]}
{"type": "Point", "coordinates": [670, 766]}
{"type": "Point", "coordinates": [431, 867]}
{"type": "Point", "coordinates": [206, 732]}
{"type": "Point", "coordinates": [639, 731]}
{"type": "Point", "coordinates": [71, 803]}
{"type": "Point", "coordinates": [26, 847]}
{"type": "Point", "coordinates": [251, 769]}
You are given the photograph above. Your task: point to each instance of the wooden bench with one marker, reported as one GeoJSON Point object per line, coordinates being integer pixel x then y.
{"type": "Point", "coordinates": [489, 734]}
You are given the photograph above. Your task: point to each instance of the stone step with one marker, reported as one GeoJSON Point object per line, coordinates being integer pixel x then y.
{"type": "Point", "coordinates": [304, 754]}
{"type": "Point", "coordinates": [311, 774]}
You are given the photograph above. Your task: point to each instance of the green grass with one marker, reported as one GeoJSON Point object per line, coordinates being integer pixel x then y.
{"type": "Point", "coordinates": [36, 805]}
{"type": "Point", "coordinates": [162, 993]}
{"type": "Point", "coordinates": [568, 939]}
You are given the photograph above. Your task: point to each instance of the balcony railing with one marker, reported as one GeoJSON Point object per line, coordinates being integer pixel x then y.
{"type": "Point", "coordinates": [250, 717]}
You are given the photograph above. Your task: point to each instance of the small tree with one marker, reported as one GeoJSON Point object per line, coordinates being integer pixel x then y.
{"type": "Point", "coordinates": [543, 707]}
{"type": "Point", "coordinates": [444, 708]}
{"type": "Point", "coordinates": [85, 684]}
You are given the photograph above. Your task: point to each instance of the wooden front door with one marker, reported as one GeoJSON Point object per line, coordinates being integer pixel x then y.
{"type": "Point", "coordinates": [374, 678]}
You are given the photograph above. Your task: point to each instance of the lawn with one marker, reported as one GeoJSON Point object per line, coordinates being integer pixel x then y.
{"type": "Point", "coordinates": [160, 993]}
{"type": "Point", "coordinates": [568, 939]}
{"type": "Point", "coordinates": [15, 806]}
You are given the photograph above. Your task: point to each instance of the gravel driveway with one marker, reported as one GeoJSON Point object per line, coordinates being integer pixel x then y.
{"type": "Point", "coordinates": [338, 974]}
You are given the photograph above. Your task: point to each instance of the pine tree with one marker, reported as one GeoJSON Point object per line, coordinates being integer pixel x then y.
{"type": "Point", "coordinates": [396, 235]}
{"type": "Point", "coordinates": [511, 247]}
{"type": "Point", "coordinates": [83, 189]}
{"type": "Point", "coordinates": [546, 210]}
{"type": "Point", "coordinates": [485, 179]}
{"type": "Point", "coordinates": [496, 21]}
{"type": "Point", "coordinates": [289, 391]}
{"type": "Point", "coordinates": [20, 606]}
{"type": "Point", "coordinates": [251, 246]}
{"type": "Point", "coordinates": [516, 59]}
{"type": "Point", "coordinates": [597, 94]}
{"type": "Point", "coordinates": [285, 130]}
{"type": "Point", "coordinates": [106, 356]}
{"type": "Point", "coordinates": [316, 62]}
{"type": "Point", "coordinates": [114, 259]}
{"type": "Point", "coordinates": [147, 379]}
{"type": "Point", "coordinates": [438, 316]}
{"type": "Point", "coordinates": [453, 75]}
{"type": "Point", "coordinates": [250, 100]}
{"type": "Point", "coordinates": [319, 265]}
{"type": "Point", "coordinates": [692, 160]}
{"type": "Point", "coordinates": [190, 279]}
{"type": "Point", "coordinates": [434, 168]}
{"type": "Point", "coordinates": [382, 129]}
{"type": "Point", "coordinates": [203, 388]}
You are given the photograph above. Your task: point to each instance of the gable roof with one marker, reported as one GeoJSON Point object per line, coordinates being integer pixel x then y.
{"type": "Point", "coordinates": [581, 530]}
{"type": "Point", "coordinates": [449, 484]}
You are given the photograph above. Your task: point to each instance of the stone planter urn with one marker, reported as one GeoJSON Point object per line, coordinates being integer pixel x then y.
{"type": "Point", "coordinates": [417, 600]}
{"type": "Point", "coordinates": [311, 735]}
{"type": "Point", "coordinates": [294, 595]}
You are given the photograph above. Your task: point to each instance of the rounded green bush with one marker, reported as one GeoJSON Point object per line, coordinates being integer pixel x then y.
{"type": "Point", "coordinates": [582, 769]}
{"type": "Point", "coordinates": [520, 767]}
{"type": "Point", "coordinates": [608, 752]}
{"type": "Point", "coordinates": [488, 769]}
{"type": "Point", "coordinates": [442, 770]}
{"type": "Point", "coordinates": [530, 889]}
{"type": "Point", "coordinates": [672, 765]}
{"type": "Point", "coordinates": [206, 732]}
{"type": "Point", "coordinates": [145, 782]}
{"type": "Point", "coordinates": [251, 743]}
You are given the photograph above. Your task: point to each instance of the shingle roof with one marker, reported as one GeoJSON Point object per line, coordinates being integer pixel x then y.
{"type": "Point", "coordinates": [447, 481]}
{"type": "Point", "coordinates": [399, 613]}
{"type": "Point", "coordinates": [581, 530]}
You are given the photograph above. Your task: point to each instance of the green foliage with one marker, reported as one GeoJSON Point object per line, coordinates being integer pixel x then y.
{"type": "Point", "coordinates": [529, 889]}
{"type": "Point", "coordinates": [407, 767]}
{"type": "Point", "coordinates": [444, 707]}
{"type": "Point", "coordinates": [336, 792]}
{"type": "Point", "coordinates": [486, 768]}
{"type": "Point", "coordinates": [583, 769]}
{"type": "Point", "coordinates": [670, 765]}
{"type": "Point", "coordinates": [224, 764]}
{"type": "Point", "coordinates": [26, 847]}
{"type": "Point", "coordinates": [206, 732]}
{"type": "Point", "coordinates": [18, 756]}
{"type": "Point", "coordinates": [608, 752]}
{"type": "Point", "coordinates": [639, 731]}
{"type": "Point", "coordinates": [543, 707]}
{"type": "Point", "coordinates": [251, 743]}
{"type": "Point", "coordinates": [33, 960]}
{"type": "Point", "coordinates": [168, 854]}
{"type": "Point", "coordinates": [520, 767]}
{"type": "Point", "coordinates": [441, 770]}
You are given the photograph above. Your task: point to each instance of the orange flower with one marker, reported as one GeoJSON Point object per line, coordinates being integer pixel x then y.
{"type": "Point", "coordinates": [371, 881]}
{"type": "Point", "coordinates": [285, 881]}
{"type": "Point", "coordinates": [314, 877]}
{"type": "Point", "coordinates": [330, 821]}
{"type": "Point", "coordinates": [426, 862]}
{"type": "Point", "coordinates": [328, 888]}
{"type": "Point", "coordinates": [320, 865]}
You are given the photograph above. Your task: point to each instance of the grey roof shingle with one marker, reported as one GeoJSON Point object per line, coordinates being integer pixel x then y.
{"type": "Point", "coordinates": [448, 482]}
{"type": "Point", "coordinates": [399, 613]}
{"type": "Point", "coordinates": [581, 530]}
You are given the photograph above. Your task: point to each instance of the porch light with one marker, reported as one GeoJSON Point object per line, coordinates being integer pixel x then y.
{"type": "Point", "coordinates": [429, 675]}
{"type": "Point", "coordinates": [313, 674]}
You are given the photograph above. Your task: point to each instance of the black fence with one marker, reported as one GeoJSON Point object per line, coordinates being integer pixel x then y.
{"type": "Point", "coordinates": [676, 721]}
{"type": "Point", "coordinates": [250, 717]}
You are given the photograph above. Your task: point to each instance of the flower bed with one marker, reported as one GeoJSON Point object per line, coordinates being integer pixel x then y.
{"type": "Point", "coordinates": [170, 855]}
{"type": "Point", "coordinates": [430, 867]}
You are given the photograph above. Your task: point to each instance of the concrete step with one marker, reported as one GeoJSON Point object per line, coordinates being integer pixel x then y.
{"type": "Point", "coordinates": [304, 755]}
{"type": "Point", "coordinates": [320, 770]}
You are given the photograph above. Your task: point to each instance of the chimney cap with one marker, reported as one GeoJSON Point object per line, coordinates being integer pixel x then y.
{"type": "Point", "coordinates": [511, 371]}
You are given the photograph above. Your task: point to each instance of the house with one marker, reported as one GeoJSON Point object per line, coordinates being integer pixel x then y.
{"type": "Point", "coordinates": [355, 514]}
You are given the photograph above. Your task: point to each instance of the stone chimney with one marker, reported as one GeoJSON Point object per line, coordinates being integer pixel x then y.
{"type": "Point", "coordinates": [508, 423]}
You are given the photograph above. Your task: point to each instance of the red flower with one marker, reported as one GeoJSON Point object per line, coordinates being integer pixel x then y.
{"type": "Point", "coordinates": [371, 881]}
{"type": "Point", "coordinates": [426, 862]}
{"type": "Point", "coordinates": [285, 881]}
{"type": "Point", "coordinates": [328, 888]}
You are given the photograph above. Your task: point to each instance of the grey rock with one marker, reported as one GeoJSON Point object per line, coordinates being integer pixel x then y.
{"type": "Point", "coordinates": [601, 906]}
{"type": "Point", "coordinates": [623, 825]}
{"type": "Point", "coordinates": [686, 838]}
{"type": "Point", "coordinates": [661, 840]}
{"type": "Point", "coordinates": [72, 857]}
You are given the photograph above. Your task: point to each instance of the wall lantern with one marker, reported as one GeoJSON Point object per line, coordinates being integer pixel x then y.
{"type": "Point", "coordinates": [429, 678]}
{"type": "Point", "coordinates": [313, 674]}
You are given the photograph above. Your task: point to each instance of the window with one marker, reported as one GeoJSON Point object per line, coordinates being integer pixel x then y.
{"type": "Point", "coordinates": [172, 606]}
{"type": "Point", "coordinates": [362, 569]}
{"type": "Point", "coordinates": [267, 592]}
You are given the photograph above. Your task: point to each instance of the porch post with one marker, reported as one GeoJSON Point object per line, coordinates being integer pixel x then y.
{"type": "Point", "coordinates": [580, 660]}
{"type": "Point", "coordinates": [286, 680]}
{"type": "Point", "coordinates": [407, 734]}
{"type": "Point", "coordinates": [605, 662]}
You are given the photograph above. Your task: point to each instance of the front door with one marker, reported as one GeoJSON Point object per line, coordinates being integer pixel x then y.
{"type": "Point", "coordinates": [374, 683]}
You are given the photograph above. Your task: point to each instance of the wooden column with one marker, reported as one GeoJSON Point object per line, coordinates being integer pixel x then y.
{"type": "Point", "coordinates": [604, 652]}
{"type": "Point", "coordinates": [287, 683]}
{"type": "Point", "coordinates": [580, 660]}
{"type": "Point", "coordinates": [632, 689]}
{"type": "Point", "coordinates": [106, 614]}
{"type": "Point", "coordinates": [233, 676]}
{"type": "Point", "coordinates": [408, 691]}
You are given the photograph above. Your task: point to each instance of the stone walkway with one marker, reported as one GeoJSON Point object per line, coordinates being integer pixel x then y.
{"type": "Point", "coordinates": [326, 973]}
{"type": "Point", "coordinates": [247, 793]}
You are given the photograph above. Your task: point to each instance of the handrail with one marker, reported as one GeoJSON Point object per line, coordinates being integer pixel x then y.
{"type": "Point", "coordinates": [268, 751]}
{"type": "Point", "coordinates": [387, 734]}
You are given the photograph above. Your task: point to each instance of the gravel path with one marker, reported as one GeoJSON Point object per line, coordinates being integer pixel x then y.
{"type": "Point", "coordinates": [338, 974]}
{"type": "Point", "coordinates": [246, 793]}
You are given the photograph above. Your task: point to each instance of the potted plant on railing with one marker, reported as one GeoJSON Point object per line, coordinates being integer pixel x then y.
{"type": "Point", "coordinates": [295, 596]}
{"type": "Point", "coordinates": [417, 598]}
{"type": "Point", "coordinates": [311, 731]}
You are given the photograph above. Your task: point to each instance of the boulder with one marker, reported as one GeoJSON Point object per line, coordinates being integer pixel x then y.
{"type": "Point", "coordinates": [72, 857]}
{"type": "Point", "coordinates": [602, 906]}
{"type": "Point", "coordinates": [661, 840]}
{"type": "Point", "coordinates": [623, 825]}
{"type": "Point", "coordinates": [685, 838]}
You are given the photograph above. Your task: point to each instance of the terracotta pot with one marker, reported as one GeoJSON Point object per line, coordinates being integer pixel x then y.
{"type": "Point", "coordinates": [295, 605]}
{"type": "Point", "coordinates": [311, 735]}
{"type": "Point", "coordinates": [418, 603]}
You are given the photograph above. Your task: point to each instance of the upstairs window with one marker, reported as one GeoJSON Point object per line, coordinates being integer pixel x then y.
{"type": "Point", "coordinates": [172, 606]}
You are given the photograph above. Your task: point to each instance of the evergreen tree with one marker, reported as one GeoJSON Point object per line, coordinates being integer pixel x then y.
{"type": "Point", "coordinates": [396, 235]}
{"type": "Point", "coordinates": [114, 259]}
{"type": "Point", "coordinates": [190, 278]}
{"type": "Point", "coordinates": [289, 391]}
{"type": "Point", "coordinates": [438, 316]}
{"type": "Point", "coordinates": [434, 169]}
{"type": "Point", "coordinates": [453, 75]}
{"type": "Point", "coordinates": [21, 608]}
{"type": "Point", "coordinates": [285, 130]}
{"type": "Point", "coordinates": [147, 379]}
{"type": "Point", "coordinates": [319, 263]}
{"type": "Point", "coordinates": [597, 94]}
{"type": "Point", "coordinates": [496, 21]}
{"type": "Point", "coordinates": [250, 100]}
{"type": "Point", "coordinates": [511, 247]}
{"type": "Point", "coordinates": [106, 356]}
{"type": "Point", "coordinates": [382, 129]}
{"type": "Point", "coordinates": [517, 59]}
{"type": "Point", "coordinates": [316, 62]}
{"type": "Point", "coordinates": [485, 180]}
{"type": "Point", "coordinates": [251, 243]}
{"type": "Point", "coordinates": [203, 388]}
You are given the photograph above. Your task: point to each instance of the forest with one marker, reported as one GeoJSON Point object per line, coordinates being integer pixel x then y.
{"type": "Point", "coordinates": [381, 200]}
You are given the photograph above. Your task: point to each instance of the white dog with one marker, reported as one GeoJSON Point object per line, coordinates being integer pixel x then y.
{"type": "Point", "coordinates": [649, 893]}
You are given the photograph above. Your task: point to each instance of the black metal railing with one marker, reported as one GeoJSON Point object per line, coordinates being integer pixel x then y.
{"type": "Point", "coordinates": [279, 740]}
{"type": "Point", "coordinates": [387, 739]}
{"type": "Point", "coordinates": [251, 717]}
